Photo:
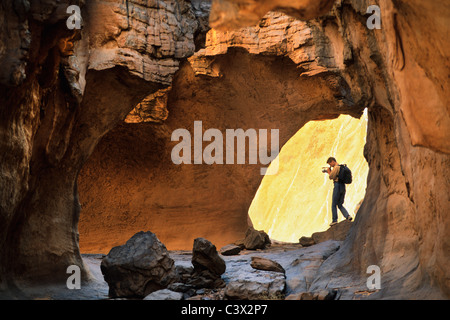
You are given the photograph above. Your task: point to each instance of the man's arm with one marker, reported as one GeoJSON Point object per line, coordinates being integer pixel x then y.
{"type": "Point", "coordinates": [334, 173]}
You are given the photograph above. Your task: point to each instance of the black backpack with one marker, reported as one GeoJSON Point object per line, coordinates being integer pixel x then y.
{"type": "Point", "coordinates": [345, 174]}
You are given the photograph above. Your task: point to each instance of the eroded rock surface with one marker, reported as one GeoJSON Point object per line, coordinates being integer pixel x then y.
{"type": "Point", "coordinates": [401, 225]}
{"type": "Point", "coordinates": [230, 250]}
{"type": "Point", "coordinates": [61, 91]}
{"type": "Point", "coordinates": [337, 232]}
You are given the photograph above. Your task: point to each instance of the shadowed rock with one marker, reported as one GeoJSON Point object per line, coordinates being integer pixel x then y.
{"type": "Point", "coordinates": [139, 267]}
{"type": "Point", "coordinates": [255, 239]}
{"type": "Point", "coordinates": [401, 75]}
{"type": "Point", "coordinates": [205, 256]}
{"type": "Point", "coordinates": [208, 265]}
{"type": "Point", "coordinates": [230, 250]}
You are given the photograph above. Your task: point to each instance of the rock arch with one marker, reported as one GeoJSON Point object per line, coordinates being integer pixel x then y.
{"type": "Point", "coordinates": [182, 202]}
{"type": "Point", "coordinates": [48, 130]}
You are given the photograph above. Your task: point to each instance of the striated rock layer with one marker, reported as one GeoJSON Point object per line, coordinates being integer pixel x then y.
{"type": "Point", "coordinates": [61, 91]}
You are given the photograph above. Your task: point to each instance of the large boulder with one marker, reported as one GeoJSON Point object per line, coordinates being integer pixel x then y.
{"type": "Point", "coordinates": [139, 267]}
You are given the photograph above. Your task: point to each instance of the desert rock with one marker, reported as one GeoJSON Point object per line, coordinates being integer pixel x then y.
{"type": "Point", "coordinates": [256, 285]}
{"type": "Point", "coordinates": [230, 249]}
{"type": "Point", "coordinates": [255, 239]}
{"type": "Point", "coordinates": [337, 232]}
{"type": "Point", "coordinates": [208, 265]}
{"type": "Point", "coordinates": [205, 256]}
{"type": "Point", "coordinates": [139, 267]}
{"type": "Point", "coordinates": [266, 264]}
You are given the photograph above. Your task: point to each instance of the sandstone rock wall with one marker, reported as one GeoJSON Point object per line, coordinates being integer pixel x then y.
{"type": "Point", "coordinates": [408, 157]}
{"type": "Point", "coordinates": [61, 91]}
{"type": "Point", "coordinates": [405, 236]}
{"type": "Point", "coordinates": [380, 69]}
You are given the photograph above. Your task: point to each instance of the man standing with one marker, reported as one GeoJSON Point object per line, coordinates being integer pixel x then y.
{"type": "Point", "coordinates": [338, 191]}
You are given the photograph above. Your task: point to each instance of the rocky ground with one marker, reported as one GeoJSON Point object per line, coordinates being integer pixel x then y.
{"type": "Point", "coordinates": [241, 279]}
{"type": "Point", "coordinates": [278, 271]}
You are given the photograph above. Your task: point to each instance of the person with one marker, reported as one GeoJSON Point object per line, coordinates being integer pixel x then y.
{"type": "Point", "coordinates": [338, 191]}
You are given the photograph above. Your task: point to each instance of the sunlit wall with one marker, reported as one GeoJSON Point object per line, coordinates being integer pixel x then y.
{"type": "Point", "coordinates": [297, 200]}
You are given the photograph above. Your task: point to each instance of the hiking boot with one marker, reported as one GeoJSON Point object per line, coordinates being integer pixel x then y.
{"type": "Point", "coordinates": [333, 223]}
{"type": "Point", "coordinates": [349, 218]}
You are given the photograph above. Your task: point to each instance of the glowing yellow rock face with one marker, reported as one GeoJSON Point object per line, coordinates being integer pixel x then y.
{"type": "Point", "coordinates": [297, 200]}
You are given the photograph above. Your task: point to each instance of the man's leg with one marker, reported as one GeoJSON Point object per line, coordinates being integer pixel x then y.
{"type": "Point", "coordinates": [341, 201]}
{"type": "Point", "coordinates": [335, 201]}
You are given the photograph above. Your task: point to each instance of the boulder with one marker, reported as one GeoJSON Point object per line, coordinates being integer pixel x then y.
{"type": "Point", "coordinates": [302, 270]}
{"type": "Point", "coordinates": [255, 239]}
{"type": "Point", "coordinates": [208, 265]}
{"type": "Point", "coordinates": [164, 294]}
{"type": "Point", "coordinates": [230, 250]}
{"type": "Point", "coordinates": [266, 264]}
{"type": "Point", "coordinates": [139, 267]}
{"type": "Point", "coordinates": [206, 257]}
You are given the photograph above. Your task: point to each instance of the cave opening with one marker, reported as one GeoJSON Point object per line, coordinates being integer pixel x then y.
{"type": "Point", "coordinates": [296, 201]}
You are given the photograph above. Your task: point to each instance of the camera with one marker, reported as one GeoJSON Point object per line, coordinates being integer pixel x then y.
{"type": "Point", "coordinates": [324, 169]}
